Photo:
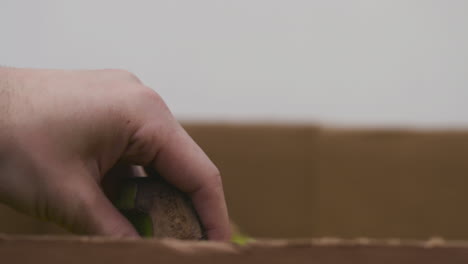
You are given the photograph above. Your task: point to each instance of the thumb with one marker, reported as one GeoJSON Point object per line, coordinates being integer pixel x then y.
{"type": "Point", "coordinates": [98, 216]}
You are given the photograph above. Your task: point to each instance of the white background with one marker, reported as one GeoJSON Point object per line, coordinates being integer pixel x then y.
{"type": "Point", "coordinates": [356, 62]}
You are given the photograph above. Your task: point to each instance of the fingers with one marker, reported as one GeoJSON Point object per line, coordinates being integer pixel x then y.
{"type": "Point", "coordinates": [161, 142]}
{"type": "Point", "coordinates": [112, 182]}
{"type": "Point", "coordinates": [96, 215]}
{"type": "Point", "coordinates": [181, 161]}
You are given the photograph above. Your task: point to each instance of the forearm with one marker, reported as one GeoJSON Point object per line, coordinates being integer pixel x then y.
{"type": "Point", "coordinates": [11, 163]}
{"type": "Point", "coordinates": [8, 148]}
{"type": "Point", "coordinates": [5, 105]}
{"type": "Point", "coordinates": [5, 94]}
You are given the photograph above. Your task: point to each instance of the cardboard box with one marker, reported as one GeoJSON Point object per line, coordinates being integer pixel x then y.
{"type": "Point", "coordinates": [104, 250]}
{"type": "Point", "coordinates": [394, 185]}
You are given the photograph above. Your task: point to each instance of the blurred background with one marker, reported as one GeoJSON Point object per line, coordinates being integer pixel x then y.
{"type": "Point", "coordinates": [357, 62]}
{"type": "Point", "coordinates": [390, 64]}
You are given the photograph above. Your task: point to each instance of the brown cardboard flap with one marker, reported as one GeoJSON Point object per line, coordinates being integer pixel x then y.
{"type": "Point", "coordinates": [23, 249]}
{"type": "Point", "coordinates": [392, 183]}
{"type": "Point", "coordinates": [310, 181]}
{"type": "Point", "coordinates": [268, 174]}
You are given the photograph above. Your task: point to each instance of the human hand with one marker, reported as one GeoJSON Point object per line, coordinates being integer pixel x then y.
{"type": "Point", "coordinates": [62, 132]}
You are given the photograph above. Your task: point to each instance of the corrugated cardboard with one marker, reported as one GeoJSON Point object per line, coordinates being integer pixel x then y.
{"type": "Point", "coordinates": [328, 251]}
{"type": "Point", "coordinates": [306, 181]}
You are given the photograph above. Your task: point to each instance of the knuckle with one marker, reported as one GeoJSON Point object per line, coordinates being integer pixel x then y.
{"type": "Point", "coordinates": [124, 74]}
{"type": "Point", "coordinates": [151, 97]}
{"type": "Point", "coordinates": [215, 178]}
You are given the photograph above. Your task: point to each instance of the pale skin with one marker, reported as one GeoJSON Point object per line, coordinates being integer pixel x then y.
{"type": "Point", "coordinates": [61, 132]}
